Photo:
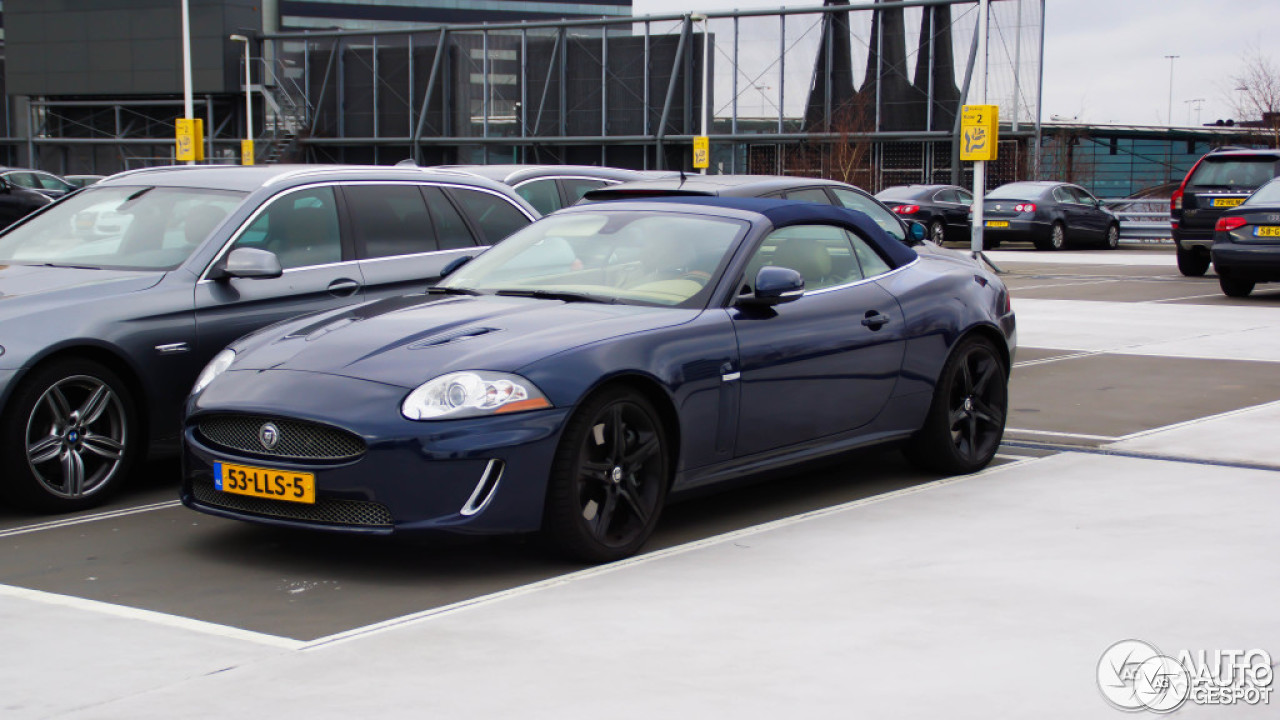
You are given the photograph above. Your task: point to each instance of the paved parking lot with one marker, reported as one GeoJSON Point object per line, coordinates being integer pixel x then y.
{"type": "Point", "coordinates": [1134, 497]}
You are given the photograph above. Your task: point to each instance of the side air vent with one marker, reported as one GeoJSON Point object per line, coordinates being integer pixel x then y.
{"type": "Point", "coordinates": [452, 336]}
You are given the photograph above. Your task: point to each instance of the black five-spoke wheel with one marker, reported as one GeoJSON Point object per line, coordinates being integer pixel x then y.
{"type": "Point", "coordinates": [967, 418]}
{"type": "Point", "coordinates": [609, 479]}
{"type": "Point", "coordinates": [68, 437]}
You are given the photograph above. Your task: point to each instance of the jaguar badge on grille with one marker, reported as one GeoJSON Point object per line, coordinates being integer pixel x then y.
{"type": "Point", "coordinates": [269, 435]}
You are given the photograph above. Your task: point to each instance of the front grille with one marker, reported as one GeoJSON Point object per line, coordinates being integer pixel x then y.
{"type": "Point", "coordinates": [328, 511]}
{"type": "Point", "coordinates": [297, 440]}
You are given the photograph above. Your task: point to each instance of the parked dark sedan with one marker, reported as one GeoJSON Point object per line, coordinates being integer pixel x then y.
{"type": "Point", "coordinates": [38, 181]}
{"type": "Point", "coordinates": [943, 209]}
{"type": "Point", "coordinates": [1052, 215]}
{"type": "Point", "coordinates": [572, 376]}
{"type": "Point", "coordinates": [17, 202]}
{"type": "Point", "coordinates": [115, 297]}
{"type": "Point", "coordinates": [1246, 242]}
{"type": "Point", "coordinates": [1219, 180]}
{"type": "Point", "coordinates": [551, 187]}
{"type": "Point", "coordinates": [802, 189]}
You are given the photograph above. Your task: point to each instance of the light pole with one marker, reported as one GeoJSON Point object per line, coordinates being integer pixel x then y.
{"type": "Point", "coordinates": [246, 147]}
{"type": "Point", "coordinates": [706, 56]}
{"type": "Point", "coordinates": [188, 99]}
{"type": "Point", "coordinates": [1169, 117]}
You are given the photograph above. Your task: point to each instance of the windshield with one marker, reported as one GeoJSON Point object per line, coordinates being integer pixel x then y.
{"type": "Point", "coordinates": [141, 228]}
{"type": "Point", "coordinates": [1246, 172]}
{"type": "Point", "coordinates": [1268, 194]}
{"type": "Point", "coordinates": [643, 258]}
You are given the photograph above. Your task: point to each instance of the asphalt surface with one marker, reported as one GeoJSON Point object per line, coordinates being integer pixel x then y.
{"type": "Point", "coordinates": [144, 552]}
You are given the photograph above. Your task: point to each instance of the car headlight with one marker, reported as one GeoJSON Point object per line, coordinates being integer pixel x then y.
{"type": "Point", "coordinates": [472, 394]}
{"type": "Point", "coordinates": [216, 367]}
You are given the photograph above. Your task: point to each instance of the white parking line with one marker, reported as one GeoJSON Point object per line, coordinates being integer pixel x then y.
{"type": "Point", "coordinates": [1197, 421]}
{"type": "Point", "coordinates": [1189, 297]}
{"type": "Point", "coordinates": [426, 615]}
{"type": "Point", "coordinates": [82, 519]}
{"type": "Point", "coordinates": [1051, 433]}
{"type": "Point", "coordinates": [1057, 358]}
{"type": "Point", "coordinates": [150, 616]}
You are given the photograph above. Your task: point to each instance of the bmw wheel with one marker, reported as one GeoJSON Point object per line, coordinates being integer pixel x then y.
{"type": "Point", "coordinates": [69, 437]}
{"type": "Point", "coordinates": [967, 416]}
{"type": "Point", "coordinates": [609, 478]}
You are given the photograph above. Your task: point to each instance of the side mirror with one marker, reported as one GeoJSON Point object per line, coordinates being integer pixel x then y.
{"type": "Point", "coordinates": [250, 263]}
{"type": "Point", "coordinates": [915, 231]}
{"type": "Point", "coordinates": [774, 286]}
{"type": "Point", "coordinates": [4, 185]}
{"type": "Point", "coordinates": [454, 265]}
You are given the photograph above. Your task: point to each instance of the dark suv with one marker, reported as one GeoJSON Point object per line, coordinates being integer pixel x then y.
{"type": "Point", "coordinates": [1220, 180]}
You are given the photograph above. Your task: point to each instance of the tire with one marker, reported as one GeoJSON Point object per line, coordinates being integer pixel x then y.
{"type": "Point", "coordinates": [609, 478]}
{"type": "Point", "coordinates": [1057, 237]}
{"type": "Point", "coordinates": [1192, 263]}
{"type": "Point", "coordinates": [967, 415]}
{"type": "Point", "coordinates": [989, 244]}
{"type": "Point", "coordinates": [1235, 287]}
{"type": "Point", "coordinates": [1112, 239]}
{"type": "Point", "coordinates": [937, 232]}
{"type": "Point", "coordinates": [69, 437]}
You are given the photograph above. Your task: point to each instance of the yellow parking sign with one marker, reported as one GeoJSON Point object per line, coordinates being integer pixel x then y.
{"type": "Point", "coordinates": [190, 139]}
{"type": "Point", "coordinates": [979, 128]}
{"type": "Point", "coordinates": [701, 152]}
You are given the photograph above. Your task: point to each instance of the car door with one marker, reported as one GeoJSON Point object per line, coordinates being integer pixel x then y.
{"type": "Point", "coordinates": [826, 363]}
{"type": "Point", "coordinates": [302, 228]}
{"type": "Point", "coordinates": [1072, 212]}
{"type": "Point", "coordinates": [405, 234]}
{"type": "Point", "coordinates": [1094, 219]}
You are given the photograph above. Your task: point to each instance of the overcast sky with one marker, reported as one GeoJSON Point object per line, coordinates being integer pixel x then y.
{"type": "Point", "coordinates": [1105, 59]}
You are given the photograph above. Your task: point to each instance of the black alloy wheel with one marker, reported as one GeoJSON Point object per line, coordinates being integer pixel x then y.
{"type": "Point", "coordinates": [69, 437]}
{"type": "Point", "coordinates": [967, 417]}
{"type": "Point", "coordinates": [609, 478]}
{"type": "Point", "coordinates": [1191, 262]}
{"type": "Point", "coordinates": [937, 232]}
{"type": "Point", "coordinates": [1112, 240]}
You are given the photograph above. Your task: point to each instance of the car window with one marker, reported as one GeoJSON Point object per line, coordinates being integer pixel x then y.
{"type": "Point", "coordinates": [813, 195]}
{"type": "Point", "coordinates": [575, 188]}
{"type": "Point", "coordinates": [496, 217]}
{"type": "Point", "coordinates": [451, 231]}
{"type": "Point", "coordinates": [946, 195]}
{"type": "Point", "coordinates": [390, 220]}
{"type": "Point", "coordinates": [1083, 197]}
{"type": "Point", "coordinates": [541, 194]}
{"type": "Point", "coordinates": [1234, 171]}
{"type": "Point", "coordinates": [1268, 194]}
{"type": "Point", "coordinates": [882, 217]}
{"type": "Point", "coordinates": [1062, 195]}
{"type": "Point", "coordinates": [120, 227]}
{"type": "Point", "coordinates": [301, 228]}
{"type": "Point", "coordinates": [49, 182]}
{"type": "Point", "coordinates": [822, 254]}
{"type": "Point", "coordinates": [23, 179]}
{"type": "Point", "coordinates": [964, 197]}
{"type": "Point", "coordinates": [869, 260]}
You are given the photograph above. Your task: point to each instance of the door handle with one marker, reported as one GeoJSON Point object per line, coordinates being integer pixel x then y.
{"type": "Point", "coordinates": [875, 320]}
{"type": "Point", "coordinates": [343, 287]}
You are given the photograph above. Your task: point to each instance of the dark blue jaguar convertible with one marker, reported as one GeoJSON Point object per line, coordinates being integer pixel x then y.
{"type": "Point", "coordinates": [573, 376]}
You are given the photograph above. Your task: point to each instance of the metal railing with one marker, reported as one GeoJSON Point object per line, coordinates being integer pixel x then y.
{"type": "Point", "coordinates": [1143, 221]}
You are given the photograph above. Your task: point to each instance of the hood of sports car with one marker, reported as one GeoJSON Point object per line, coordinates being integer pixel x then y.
{"type": "Point", "coordinates": [408, 340]}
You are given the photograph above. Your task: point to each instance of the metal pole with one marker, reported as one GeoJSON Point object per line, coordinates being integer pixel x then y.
{"type": "Point", "coordinates": [1039, 92]}
{"type": "Point", "coordinates": [188, 101]}
{"type": "Point", "coordinates": [1169, 115]}
{"type": "Point", "coordinates": [956, 174]}
{"type": "Point", "coordinates": [782, 67]}
{"type": "Point", "coordinates": [661, 159]}
{"type": "Point", "coordinates": [248, 90]}
{"type": "Point", "coordinates": [1017, 65]}
{"type": "Point", "coordinates": [426, 96]}
{"type": "Point", "coordinates": [706, 71]}
{"type": "Point", "coordinates": [980, 167]}
{"type": "Point", "coordinates": [733, 158]}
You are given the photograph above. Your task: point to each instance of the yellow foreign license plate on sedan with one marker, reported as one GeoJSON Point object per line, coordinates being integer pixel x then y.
{"type": "Point", "coordinates": [1267, 231]}
{"type": "Point", "coordinates": [1227, 202]}
{"type": "Point", "coordinates": [997, 223]}
{"type": "Point", "coordinates": [299, 487]}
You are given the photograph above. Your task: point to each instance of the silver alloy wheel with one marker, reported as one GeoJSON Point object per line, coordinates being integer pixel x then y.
{"type": "Point", "coordinates": [76, 437]}
{"type": "Point", "coordinates": [1058, 237]}
{"type": "Point", "coordinates": [938, 232]}
{"type": "Point", "coordinates": [1113, 237]}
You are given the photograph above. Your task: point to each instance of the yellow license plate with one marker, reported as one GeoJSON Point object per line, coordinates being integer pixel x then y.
{"type": "Point", "coordinates": [1227, 202]}
{"type": "Point", "coordinates": [1267, 231]}
{"type": "Point", "coordinates": [299, 487]}
{"type": "Point", "coordinates": [997, 223]}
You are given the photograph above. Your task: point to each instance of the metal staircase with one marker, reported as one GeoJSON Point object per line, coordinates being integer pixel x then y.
{"type": "Point", "coordinates": [288, 118]}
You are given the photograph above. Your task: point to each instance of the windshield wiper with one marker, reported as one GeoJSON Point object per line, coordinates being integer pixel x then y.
{"type": "Point", "coordinates": [437, 290]}
{"type": "Point", "coordinates": [65, 265]}
{"type": "Point", "coordinates": [557, 295]}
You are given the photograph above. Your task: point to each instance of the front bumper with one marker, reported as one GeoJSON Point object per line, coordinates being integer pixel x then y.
{"type": "Point", "coordinates": [1259, 263]}
{"type": "Point", "coordinates": [411, 476]}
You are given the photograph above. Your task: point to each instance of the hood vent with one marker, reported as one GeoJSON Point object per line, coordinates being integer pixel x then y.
{"type": "Point", "coordinates": [452, 336]}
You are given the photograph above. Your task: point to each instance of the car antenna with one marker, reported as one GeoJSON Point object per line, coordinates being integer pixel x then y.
{"type": "Point", "coordinates": [681, 176]}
